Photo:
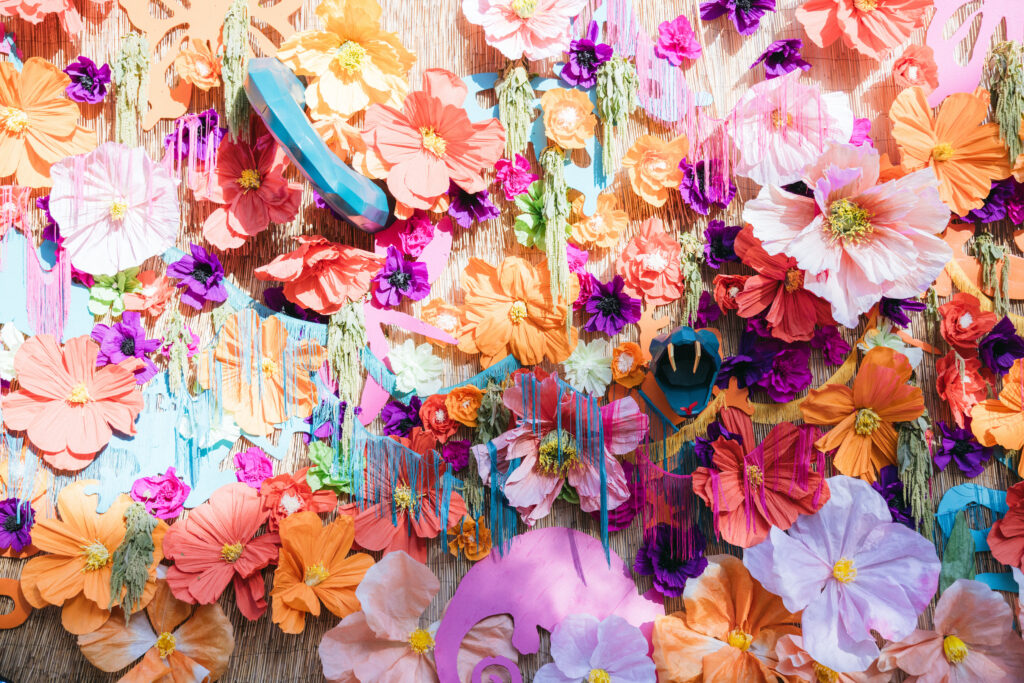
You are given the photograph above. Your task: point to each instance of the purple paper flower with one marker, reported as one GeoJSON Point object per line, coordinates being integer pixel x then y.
{"type": "Point", "coordinates": [399, 418]}
{"type": "Point", "coordinates": [959, 445]}
{"type": "Point", "coordinates": [515, 176]}
{"type": "Point", "coordinates": [707, 311]}
{"type": "Point", "coordinates": [1003, 195]}
{"type": "Point", "coordinates": [124, 340]}
{"type": "Point", "coordinates": [456, 452]}
{"type": "Point", "coordinates": [895, 310]}
{"type": "Point", "coordinates": [253, 466]}
{"type": "Point", "coordinates": [467, 208]}
{"type": "Point", "coordinates": [703, 446]}
{"type": "Point", "coordinates": [622, 517]}
{"type": "Point", "coordinates": [676, 41]}
{"type": "Point", "coordinates": [751, 362]}
{"type": "Point", "coordinates": [861, 134]}
{"type": "Point", "coordinates": [588, 283]}
{"type": "Point", "coordinates": [660, 556]}
{"type": "Point", "coordinates": [720, 243]}
{"type": "Point", "coordinates": [998, 349]}
{"type": "Point", "coordinates": [201, 276]}
{"type": "Point", "coordinates": [400, 279]}
{"type": "Point", "coordinates": [745, 14]}
{"type": "Point", "coordinates": [704, 185]}
{"type": "Point", "coordinates": [781, 57]}
{"type": "Point", "coordinates": [585, 55]}
{"type": "Point", "coordinates": [789, 376]}
{"type": "Point", "coordinates": [203, 126]}
{"type": "Point", "coordinates": [760, 326]}
{"type": "Point", "coordinates": [890, 486]}
{"type": "Point", "coordinates": [324, 420]}
{"type": "Point", "coordinates": [16, 520]}
{"type": "Point", "coordinates": [275, 300]}
{"type": "Point", "coordinates": [88, 81]}
{"type": "Point", "coordinates": [581, 645]}
{"type": "Point", "coordinates": [610, 308]}
{"type": "Point", "coordinates": [833, 347]}
{"type": "Point", "coordinates": [163, 495]}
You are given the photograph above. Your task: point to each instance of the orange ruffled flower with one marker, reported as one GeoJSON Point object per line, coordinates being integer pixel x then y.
{"type": "Point", "coordinates": [965, 154]}
{"type": "Point", "coordinates": [871, 27]}
{"type": "Point", "coordinates": [463, 403]}
{"type": "Point", "coordinates": [1001, 420]}
{"type": "Point", "coordinates": [628, 364]}
{"type": "Point", "coordinates": [471, 538]}
{"type": "Point", "coordinates": [436, 419]}
{"type": "Point", "coordinates": [79, 547]}
{"type": "Point", "coordinates": [650, 264]}
{"type": "Point", "coordinates": [315, 567]}
{"type": "Point", "coordinates": [863, 416]}
{"type": "Point", "coordinates": [322, 275]}
{"type": "Point", "coordinates": [653, 167]}
{"type": "Point", "coordinates": [152, 299]}
{"type": "Point", "coordinates": [197, 64]}
{"type": "Point", "coordinates": [509, 310]}
{"type": "Point", "coordinates": [38, 125]}
{"type": "Point", "coordinates": [444, 317]}
{"type": "Point", "coordinates": [290, 492]}
{"type": "Point", "coordinates": [604, 229]}
{"type": "Point", "coordinates": [181, 644]}
{"type": "Point", "coordinates": [569, 119]}
{"type": "Point", "coordinates": [727, 630]}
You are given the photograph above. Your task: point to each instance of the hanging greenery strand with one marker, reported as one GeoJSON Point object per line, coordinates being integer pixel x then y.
{"type": "Point", "coordinates": [515, 107]}
{"type": "Point", "coordinates": [131, 79]}
{"type": "Point", "coordinates": [617, 99]}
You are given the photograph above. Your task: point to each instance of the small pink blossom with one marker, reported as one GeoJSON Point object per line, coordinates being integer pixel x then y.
{"type": "Point", "coordinates": [677, 41]}
{"type": "Point", "coordinates": [515, 176]}
{"type": "Point", "coordinates": [163, 495]}
{"type": "Point", "coordinates": [253, 466]}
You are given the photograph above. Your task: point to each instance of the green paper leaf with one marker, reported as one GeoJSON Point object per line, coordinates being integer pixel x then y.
{"type": "Point", "coordinates": [958, 557]}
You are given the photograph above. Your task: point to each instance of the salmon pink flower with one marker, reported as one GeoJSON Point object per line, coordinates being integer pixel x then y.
{"type": "Point", "coordinates": [650, 265]}
{"type": "Point", "coordinates": [871, 27]}
{"type": "Point", "coordinates": [535, 29]}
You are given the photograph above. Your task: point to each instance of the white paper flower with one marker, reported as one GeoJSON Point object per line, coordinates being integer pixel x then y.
{"type": "Point", "coordinates": [416, 368]}
{"type": "Point", "coordinates": [11, 340]}
{"type": "Point", "coordinates": [589, 368]}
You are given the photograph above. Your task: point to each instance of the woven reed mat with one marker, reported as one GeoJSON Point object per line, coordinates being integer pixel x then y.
{"type": "Point", "coordinates": [41, 650]}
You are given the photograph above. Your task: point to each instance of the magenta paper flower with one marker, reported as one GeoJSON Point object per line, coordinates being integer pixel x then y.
{"type": "Point", "coordinates": [677, 41]}
{"type": "Point", "coordinates": [585, 649]}
{"type": "Point", "coordinates": [852, 570]}
{"type": "Point", "coordinates": [535, 29]}
{"type": "Point", "coordinates": [253, 466]}
{"type": "Point", "coordinates": [163, 495]}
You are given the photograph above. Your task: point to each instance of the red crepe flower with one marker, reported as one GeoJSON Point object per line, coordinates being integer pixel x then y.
{"type": "Point", "coordinates": [727, 288]}
{"type": "Point", "coordinates": [960, 391]}
{"type": "Point", "coordinates": [436, 420]}
{"type": "Point", "coordinates": [964, 323]}
{"type": "Point", "coordinates": [289, 493]}
{"type": "Point", "coordinates": [1006, 537]}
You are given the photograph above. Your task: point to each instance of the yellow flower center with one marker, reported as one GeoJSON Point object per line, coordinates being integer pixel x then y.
{"type": "Point", "coordinates": [96, 556]}
{"type": "Point", "coordinates": [524, 9]}
{"type": "Point", "coordinates": [118, 210]}
{"type": "Point", "coordinates": [794, 279]}
{"type": "Point", "coordinates": [316, 575]}
{"type": "Point", "coordinates": [865, 5]}
{"type": "Point", "coordinates": [954, 649]}
{"type": "Point", "coordinates": [79, 394]}
{"type": "Point", "coordinates": [421, 642]}
{"type": "Point", "coordinates": [231, 552]}
{"type": "Point", "coordinates": [13, 120]}
{"type": "Point", "coordinates": [433, 142]}
{"type": "Point", "coordinates": [779, 122]}
{"type": "Point", "coordinates": [867, 422]}
{"type": "Point", "coordinates": [740, 640]}
{"type": "Point", "coordinates": [823, 674]}
{"type": "Point", "coordinates": [943, 151]}
{"type": "Point", "coordinates": [848, 222]}
{"type": "Point", "coordinates": [518, 312]}
{"type": "Point", "coordinates": [754, 475]}
{"type": "Point", "coordinates": [599, 676]}
{"type": "Point", "coordinates": [165, 644]}
{"type": "Point", "coordinates": [249, 179]}
{"type": "Point", "coordinates": [267, 366]}
{"type": "Point", "coordinates": [557, 454]}
{"type": "Point", "coordinates": [350, 56]}
{"type": "Point", "coordinates": [403, 497]}
{"type": "Point", "coordinates": [844, 571]}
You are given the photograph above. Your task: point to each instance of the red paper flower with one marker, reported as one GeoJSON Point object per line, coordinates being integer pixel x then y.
{"type": "Point", "coordinates": [964, 323]}
{"type": "Point", "coordinates": [436, 420]}
{"type": "Point", "coordinates": [961, 390]}
{"type": "Point", "coordinates": [289, 493]}
{"type": "Point", "coordinates": [727, 288]}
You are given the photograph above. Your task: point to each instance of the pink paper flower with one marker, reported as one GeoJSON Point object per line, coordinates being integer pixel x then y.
{"type": "Point", "coordinates": [871, 27]}
{"type": "Point", "coordinates": [253, 466]}
{"type": "Point", "coordinates": [535, 29]}
{"type": "Point", "coordinates": [163, 495]}
{"type": "Point", "coordinates": [650, 264]}
{"type": "Point", "coordinates": [515, 176]}
{"type": "Point", "coordinates": [857, 241]}
{"type": "Point", "coordinates": [677, 41]}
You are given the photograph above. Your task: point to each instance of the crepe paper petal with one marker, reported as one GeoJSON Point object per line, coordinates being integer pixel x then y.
{"type": "Point", "coordinates": [19, 614]}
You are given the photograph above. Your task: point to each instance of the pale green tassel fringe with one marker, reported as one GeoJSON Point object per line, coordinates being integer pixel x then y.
{"type": "Point", "coordinates": [690, 259]}
{"type": "Point", "coordinates": [177, 336]}
{"type": "Point", "coordinates": [131, 78]}
{"type": "Point", "coordinates": [221, 314]}
{"type": "Point", "coordinates": [346, 338]}
{"type": "Point", "coordinates": [915, 464]}
{"type": "Point", "coordinates": [236, 56]}
{"type": "Point", "coordinates": [129, 567]}
{"type": "Point", "coordinates": [989, 254]}
{"type": "Point", "coordinates": [515, 107]}
{"type": "Point", "coordinates": [556, 211]}
{"type": "Point", "coordinates": [617, 99]}
{"type": "Point", "coordinates": [1006, 79]}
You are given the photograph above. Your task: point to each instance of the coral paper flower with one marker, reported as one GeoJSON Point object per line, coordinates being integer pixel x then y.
{"type": "Point", "coordinates": [197, 64]}
{"type": "Point", "coordinates": [650, 264]}
{"type": "Point", "coordinates": [322, 275]}
{"type": "Point", "coordinates": [973, 640]}
{"type": "Point", "coordinates": [603, 229]}
{"type": "Point", "coordinates": [727, 630]}
{"type": "Point", "coordinates": [964, 323]}
{"type": "Point", "coordinates": [960, 382]}
{"type": "Point", "coordinates": [352, 64]}
{"type": "Point", "coordinates": [315, 567]}
{"type": "Point", "coordinates": [871, 27]}
{"type": "Point", "coordinates": [864, 416]}
{"type": "Point", "coordinates": [852, 570]}
{"type": "Point", "coordinates": [180, 644]}
{"type": "Point", "coordinates": [569, 119]}
{"type": "Point", "coordinates": [436, 420]}
{"type": "Point", "coordinates": [999, 420]}
{"type": "Point", "coordinates": [965, 154]}
{"type": "Point", "coordinates": [67, 406]}
{"type": "Point", "coordinates": [916, 67]}
{"type": "Point", "coordinates": [217, 545]}
{"type": "Point", "coordinates": [1006, 537]}
{"type": "Point", "coordinates": [75, 571]}
{"type": "Point", "coordinates": [535, 29]}
{"type": "Point", "coordinates": [653, 167]}
{"type": "Point", "coordinates": [38, 126]}
{"type": "Point", "coordinates": [290, 492]}
{"type": "Point", "coordinates": [509, 310]}
{"type": "Point", "coordinates": [858, 241]}
{"type": "Point", "coordinates": [116, 207]}
{"type": "Point", "coordinates": [249, 182]}
{"type": "Point", "coordinates": [431, 143]}
{"type": "Point", "coordinates": [385, 642]}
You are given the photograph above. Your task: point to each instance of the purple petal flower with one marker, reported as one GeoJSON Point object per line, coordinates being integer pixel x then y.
{"type": "Point", "coordinates": [585, 55]}
{"type": "Point", "coordinates": [1002, 194]}
{"type": "Point", "coordinates": [203, 127]}
{"type": "Point", "coordinates": [707, 311]}
{"type": "Point", "coordinates": [515, 176]}
{"type": "Point", "coordinates": [124, 340]}
{"type": "Point", "coordinates": [16, 521]}
{"type": "Point", "coordinates": [745, 14]}
{"type": "Point", "coordinates": [275, 300]}
{"type": "Point", "coordinates": [781, 57]}
{"type": "Point", "coordinates": [789, 376]}
{"type": "Point", "coordinates": [660, 556]}
{"type": "Point", "coordinates": [88, 81]}
{"type": "Point", "coordinates": [704, 185]}
{"type": "Point", "coordinates": [467, 208]}
{"type": "Point", "coordinates": [832, 345]}
{"type": "Point", "coordinates": [753, 360]}
{"type": "Point", "coordinates": [890, 486]}
{"type": "Point", "coordinates": [720, 243]}
{"type": "Point", "coordinates": [610, 308]}
{"type": "Point", "coordinates": [201, 275]}
{"type": "Point", "coordinates": [399, 419]}
{"type": "Point", "coordinates": [959, 446]}
{"type": "Point", "coordinates": [455, 452]}
{"type": "Point", "coordinates": [703, 446]}
{"type": "Point", "coordinates": [677, 41]}
{"type": "Point", "coordinates": [1001, 347]}
{"type": "Point", "coordinates": [581, 644]}
{"type": "Point", "coordinates": [895, 310]}
{"type": "Point", "coordinates": [400, 279]}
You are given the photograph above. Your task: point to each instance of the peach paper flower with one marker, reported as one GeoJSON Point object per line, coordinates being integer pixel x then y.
{"type": "Point", "coordinates": [800, 666]}
{"type": "Point", "coordinates": [535, 29]}
{"type": "Point", "coordinates": [197, 64]}
{"type": "Point", "coordinates": [916, 67]}
{"type": "Point", "coordinates": [653, 167]}
{"type": "Point", "coordinates": [603, 229]}
{"type": "Point", "coordinates": [650, 265]}
{"type": "Point", "coordinates": [871, 27]}
{"type": "Point", "coordinates": [569, 119]}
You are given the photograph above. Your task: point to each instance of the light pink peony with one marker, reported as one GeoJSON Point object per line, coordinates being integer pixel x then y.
{"type": "Point", "coordinates": [535, 29]}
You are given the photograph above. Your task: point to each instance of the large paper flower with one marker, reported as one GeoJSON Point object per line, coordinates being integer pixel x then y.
{"type": "Point", "coordinates": [852, 570]}
{"type": "Point", "coordinates": [1006, 537]}
{"type": "Point", "coordinates": [871, 27]}
{"type": "Point", "coordinates": [431, 143]}
{"type": "Point", "coordinates": [38, 126]}
{"type": "Point", "coordinates": [650, 264]}
{"type": "Point", "coordinates": [857, 240]}
{"type": "Point", "coordinates": [535, 29]}
{"type": "Point", "coordinates": [800, 666]}
{"type": "Point", "coordinates": [115, 206]}
{"type": "Point", "coordinates": [999, 420]}
{"type": "Point", "coordinates": [569, 119]}
{"type": "Point", "coordinates": [607, 650]}
{"type": "Point", "coordinates": [352, 64]}
{"type": "Point", "coordinates": [653, 167]}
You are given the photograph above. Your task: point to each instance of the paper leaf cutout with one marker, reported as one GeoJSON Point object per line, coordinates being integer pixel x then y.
{"type": "Point", "coordinates": [958, 557]}
{"type": "Point", "coordinates": [966, 499]}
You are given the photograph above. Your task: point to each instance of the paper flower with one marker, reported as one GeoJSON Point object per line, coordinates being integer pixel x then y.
{"type": "Point", "coordinates": [197, 64]}
{"type": "Point", "coordinates": [431, 143]}
{"type": "Point", "coordinates": [16, 521]}
{"type": "Point", "coordinates": [399, 418]}
{"type": "Point", "coordinates": [463, 403]}
{"type": "Point", "coordinates": [998, 349]}
{"type": "Point", "coordinates": [588, 370]}
{"type": "Point", "coordinates": [870, 240]}
{"type": "Point", "coordinates": [894, 310]}
{"type": "Point", "coordinates": [201, 275]}
{"type": "Point", "coordinates": [322, 275]}
{"type": "Point", "coordinates": [781, 57]}
{"type": "Point", "coordinates": [745, 15]}
{"type": "Point", "coordinates": [151, 297]}
{"type": "Point", "coordinates": [650, 265]}
{"type": "Point", "coordinates": [123, 340]}
{"type": "Point", "coordinates": [705, 185]}
{"type": "Point", "coordinates": [416, 368]}
{"type": "Point", "coordinates": [116, 207]}
{"type": "Point", "coordinates": [535, 29]}
{"type": "Point", "coordinates": [957, 444]}
{"type": "Point", "coordinates": [964, 323]}
{"type": "Point", "coordinates": [610, 308]}
{"type": "Point", "coordinates": [852, 571]}
{"type": "Point", "coordinates": [253, 467]}
{"type": "Point", "coordinates": [467, 208]}
{"type": "Point", "coordinates": [515, 176]}
{"type": "Point", "coordinates": [627, 364]}
{"type": "Point", "coordinates": [870, 27]}
{"type": "Point", "coordinates": [585, 56]}
{"type": "Point", "coordinates": [604, 228]}
{"type": "Point", "coordinates": [400, 279]}
{"type": "Point", "coordinates": [204, 126]}
{"type": "Point", "coordinates": [797, 664]}
{"type": "Point", "coordinates": [720, 243]}
{"type": "Point", "coordinates": [1006, 537]}
{"type": "Point", "coordinates": [997, 420]}
{"type": "Point", "coordinates": [965, 153]}
{"type": "Point", "coordinates": [960, 383]}
{"type": "Point", "coordinates": [890, 487]}
{"type": "Point", "coordinates": [288, 493]}
{"type": "Point", "coordinates": [178, 643]}
{"type": "Point", "coordinates": [569, 119]}
{"type": "Point", "coordinates": [916, 67]}
{"type": "Point", "coordinates": [249, 183]}
{"type": "Point", "coordinates": [351, 64]}
{"type": "Point", "coordinates": [654, 167]}
{"type": "Point", "coordinates": [456, 453]}
{"type": "Point", "coordinates": [88, 81]}
{"type": "Point", "coordinates": [38, 126]}
{"type": "Point", "coordinates": [163, 494]}
{"type": "Point", "coordinates": [583, 647]}
{"type": "Point", "coordinates": [11, 340]}
{"type": "Point", "coordinates": [727, 630]}
{"type": "Point", "coordinates": [437, 422]}
{"type": "Point", "coordinates": [384, 642]}
{"type": "Point", "coordinates": [660, 557]}
{"type": "Point", "coordinates": [677, 41]}
{"type": "Point", "coordinates": [468, 537]}
{"type": "Point", "coordinates": [831, 344]}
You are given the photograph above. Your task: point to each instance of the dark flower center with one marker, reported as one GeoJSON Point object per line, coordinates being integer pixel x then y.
{"type": "Point", "coordinates": [202, 271]}
{"type": "Point", "coordinates": [586, 57]}
{"type": "Point", "coordinates": [400, 279]}
{"type": "Point", "coordinates": [12, 523]}
{"type": "Point", "coordinates": [719, 249]}
{"type": "Point", "coordinates": [962, 448]}
{"type": "Point", "coordinates": [85, 81]}
{"type": "Point", "coordinates": [128, 346]}
{"type": "Point", "coordinates": [668, 560]}
{"type": "Point", "coordinates": [744, 5]}
{"type": "Point", "coordinates": [609, 305]}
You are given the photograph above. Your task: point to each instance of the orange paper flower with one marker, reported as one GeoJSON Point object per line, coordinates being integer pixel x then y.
{"type": "Point", "coordinates": [965, 154]}
{"type": "Point", "coordinates": [603, 229]}
{"type": "Point", "coordinates": [628, 364]}
{"type": "Point", "coordinates": [569, 119]}
{"type": "Point", "coordinates": [863, 417]}
{"type": "Point", "coordinates": [471, 538]}
{"type": "Point", "coordinates": [196, 64]}
{"type": "Point", "coordinates": [444, 317]}
{"type": "Point", "coordinates": [650, 264]}
{"type": "Point", "coordinates": [463, 403]}
{"type": "Point", "coordinates": [871, 27]}
{"type": "Point", "coordinates": [653, 167]}
{"type": "Point", "coordinates": [1001, 420]}
{"type": "Point", "coordinates": [152, 299]}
